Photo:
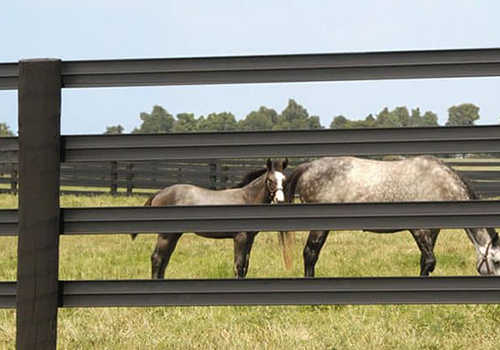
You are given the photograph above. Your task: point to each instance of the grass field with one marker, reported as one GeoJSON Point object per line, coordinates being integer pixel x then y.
{"type": "Point", "coordinates": [306, 327]}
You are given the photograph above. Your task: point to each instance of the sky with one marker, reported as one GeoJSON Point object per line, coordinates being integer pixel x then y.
{"type": "Point", "coordinates": [117, 29]}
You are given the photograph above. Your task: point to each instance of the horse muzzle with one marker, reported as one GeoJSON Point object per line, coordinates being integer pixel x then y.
{"type": "Point", "coordinates": [279, 197]}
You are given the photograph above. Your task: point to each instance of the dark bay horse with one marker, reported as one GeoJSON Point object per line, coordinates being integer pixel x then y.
{"type": "Point", "coordinates": [424, 178]}
{"type": "Point", "coordinates": [260, 186]}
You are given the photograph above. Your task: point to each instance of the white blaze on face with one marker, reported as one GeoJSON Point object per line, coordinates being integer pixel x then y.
{"type": "Point", "coordinates": [279, 196]}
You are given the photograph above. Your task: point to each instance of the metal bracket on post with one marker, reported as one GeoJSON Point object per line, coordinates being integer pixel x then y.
{"type": "Point", "coordinates": [39, 211]}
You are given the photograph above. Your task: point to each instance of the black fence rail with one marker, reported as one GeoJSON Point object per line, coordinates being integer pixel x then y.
{"type": "Point", "coordinates": [38, 292]}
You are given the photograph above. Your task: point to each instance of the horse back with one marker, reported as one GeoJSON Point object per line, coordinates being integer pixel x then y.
{"type": "Point", "coordinates": [350, 179]}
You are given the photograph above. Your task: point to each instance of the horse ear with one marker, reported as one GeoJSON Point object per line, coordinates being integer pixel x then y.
{"type": "Point", "coordinates": [269, 164]}
{"type": "Point", "coordinates": [285, 163]}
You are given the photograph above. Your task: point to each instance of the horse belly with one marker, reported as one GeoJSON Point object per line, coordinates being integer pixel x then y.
{"type": "Point", "coordinates": [216, 235]}
{"type": "Point", "coordinates": [384, 231]}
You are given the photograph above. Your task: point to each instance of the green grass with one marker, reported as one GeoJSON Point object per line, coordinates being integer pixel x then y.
{"type": "Point", "coordinates": [305, 327]}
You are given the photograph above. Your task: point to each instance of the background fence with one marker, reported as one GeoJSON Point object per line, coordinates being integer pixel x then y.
{"type": "Point", "coordinates": [38, 292]}
{"type": "Point", "coordinates": [138, 178]}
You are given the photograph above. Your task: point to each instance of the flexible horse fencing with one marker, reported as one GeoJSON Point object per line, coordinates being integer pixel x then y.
{"type": "Point", "coordinates": [40, 150]}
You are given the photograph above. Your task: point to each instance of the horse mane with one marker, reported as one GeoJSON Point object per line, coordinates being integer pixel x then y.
{"type": "Point", "coordinates": [293, 179]}
{"type": "Point", "coordinates": [471, 192]}
{"type": "Point", "coordinates": [250, 176]}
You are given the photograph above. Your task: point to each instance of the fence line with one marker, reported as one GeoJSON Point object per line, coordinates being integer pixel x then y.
{"type": "Point", "coordinates": [127, 178]}
{"type": "Point", "coordinates": [139, 177]}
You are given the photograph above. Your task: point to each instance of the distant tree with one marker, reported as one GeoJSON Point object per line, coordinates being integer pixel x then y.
{"type": "Point", "coordinates": [262, 119]}
{"type": "Point", "coordinates": [158, 121]}
{"type": "Point", "coordinates": [415, 117]}
{"type": "Point", "coordinates": [464, 114]}
{"type": "Point", "coordinates": [430, 119]}
{"type": "Point", "coordinates": [114, 129]}
{"type": "Point", "coordinates": [314, 123]}
{"type": "Point", "coordinates": [185, 122]}
{"type": "Point", "coordinates": [218, 122]}
{"type": "Point", "coordinates": [370, 121]}
{"type": "Point", "coordinates": [295, 117]}
{"type": "Point", "coordinates": [5, 130]}
{"type": "Point", "coordinates": [399, 117]}
{"type": "Point", "coordinates": [339, 122]}
{"type": "Point", "coordinates": [382, 119]}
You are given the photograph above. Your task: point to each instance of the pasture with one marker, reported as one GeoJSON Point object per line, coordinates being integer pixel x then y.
{"type": "Point", "coordinates": [298, 327]}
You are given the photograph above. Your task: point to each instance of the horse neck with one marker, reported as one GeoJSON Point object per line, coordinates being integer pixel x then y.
{"type": "Point", "coordinates": [482, 237]}
{"type": "Point", "coordinates": [256, 191]}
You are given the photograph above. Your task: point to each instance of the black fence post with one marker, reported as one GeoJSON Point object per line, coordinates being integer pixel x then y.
{"type": "Point", "coordinates": [129, 178]}
{"type": "Point", "coordinates": [114, 178]}
{"type": "Point", "coordinates": [39, 99]}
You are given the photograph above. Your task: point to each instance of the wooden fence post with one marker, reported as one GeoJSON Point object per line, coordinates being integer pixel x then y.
{"type": "Point", "coordinates": [39, 99]}
{"type": "Point", "coordinates": [114, 178]}
{"type": "Point", "coordinates": [14, 179]}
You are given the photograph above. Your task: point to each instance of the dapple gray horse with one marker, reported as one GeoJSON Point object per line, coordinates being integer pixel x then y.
{"type": "Point", "coordinates": [424, 178]}
{"type": "Point", "coordinates": [260, 186]}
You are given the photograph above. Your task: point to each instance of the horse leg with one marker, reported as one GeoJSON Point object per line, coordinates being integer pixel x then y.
{"type": "Point", "coordinates": [242, 246]}
{"type": "Point", "coordinates": [426, 240]}
{"type": "Point", "coordinates": [165, 246]}
{"type": "Point", "coordinates": [251, 237]}
{"type": "Point", "coordinates": [315, 242]}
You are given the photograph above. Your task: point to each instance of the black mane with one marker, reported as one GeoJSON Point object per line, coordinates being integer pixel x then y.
{"type": "Point", "coordinates": [250, 176]}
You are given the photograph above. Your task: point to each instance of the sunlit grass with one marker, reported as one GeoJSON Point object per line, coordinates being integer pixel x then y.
{"type": "Point", "coordinates": [305, 327]}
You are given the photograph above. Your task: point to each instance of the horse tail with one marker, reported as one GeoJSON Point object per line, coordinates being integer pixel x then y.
{"type": "Point", "coordinates": [286, 239]}
{"type": "Point", "coordinates": [146, 204]}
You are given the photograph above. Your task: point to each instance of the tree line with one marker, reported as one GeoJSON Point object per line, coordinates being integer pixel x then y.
{"type": "Point", "coordinates": [293, 117]}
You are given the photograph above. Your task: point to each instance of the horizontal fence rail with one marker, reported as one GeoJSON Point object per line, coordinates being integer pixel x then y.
{"type": "Point", "coordinates": [282, 217]}
{"type": "Point", "coordinates": [235, 218]}
{"type": "Point", "coordinates": [255, 144]}
{"type": "Point", "coordinates": [389, 290]}
{"type": "Point", "coordinates": [9, 74]}
{"type": "Point", "coordinates": [297, 291]}
{"type": "Point", "coordinates": [307, 143]}
{"type": "Point", "coordinates": [273, 69]}
{"type": "Point", "coordinates": [8, 294]}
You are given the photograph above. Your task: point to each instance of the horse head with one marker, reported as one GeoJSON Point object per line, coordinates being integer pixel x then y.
{"type": "Point", "coordinates": [488, 258]}
{"type": "Point", "coordinates": [275, 179]}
